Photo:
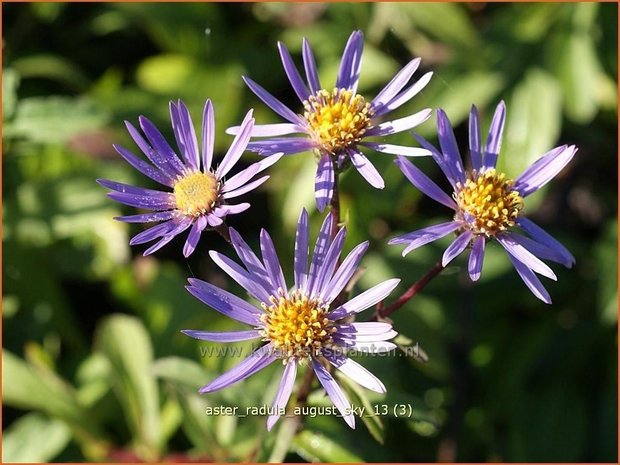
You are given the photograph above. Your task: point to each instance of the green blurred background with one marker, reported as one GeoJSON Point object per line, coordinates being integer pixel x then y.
{"type": "Point", "coordinates": [94, 366]}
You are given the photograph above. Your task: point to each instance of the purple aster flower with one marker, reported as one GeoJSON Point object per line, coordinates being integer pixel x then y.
{"type": "Point", "coordinates": [200, 193]}
{"type": "Point", "coordinates": [299, 325]}
{"type": "Point", "coordinates": [335, 123]}
{"type": "Point", "coordinates": [487, 205]}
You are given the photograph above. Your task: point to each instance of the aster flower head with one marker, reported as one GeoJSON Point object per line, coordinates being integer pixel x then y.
{"type": "Point", "coordinates": [487, 204]}
{"type": "Point", "coordinates": [336, 122]}
{"type": "Point", "coordinates": [302, 324]}
{"type": "Point", "coordinates": [197, 194]}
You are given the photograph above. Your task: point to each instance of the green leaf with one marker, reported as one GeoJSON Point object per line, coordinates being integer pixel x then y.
{"type": "Point", "coordinates": [315, 447]}
{"type": "Point", "coordinates": [10, 82]}
{"type": "Point", "coordinates": [52, 67]}
{"type": "Point", "coordinates": [34, 438]}
{"type": "Point", "coordinates": [181, 371]}
{"type": "Point", "coordinates": [358, 397]}
{"type": "Point", "coordinates": [126, 343]}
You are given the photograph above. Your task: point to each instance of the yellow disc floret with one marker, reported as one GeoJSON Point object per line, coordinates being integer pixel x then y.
{"type": "Point", "coordinates": [337, 119]}
{"type": "Point", "coordinates": [196, 193]}
{"type": "Point", "coordinates": [297, 326]}
{"type": "Point", "coordinates": [487, 202]}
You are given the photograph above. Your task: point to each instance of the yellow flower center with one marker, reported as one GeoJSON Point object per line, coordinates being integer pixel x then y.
{"type": "Point", "coordinates": [196, 193]}
{"type": "Point", "coordinates": [297, 326]}
{"type": "Point", "coordinates": [488, 203]}
{"type": "Point", "coordinates": [338, 119]}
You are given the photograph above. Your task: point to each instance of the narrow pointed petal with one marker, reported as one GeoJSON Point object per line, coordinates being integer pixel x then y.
{"type": "Point", "coordinates": [367, 170]}
{"type": "Point", "coordinates": [396, 84]}
{"type": "Point", "coordinates": [194, 236]}
{"type": "Point", "coordinates": [225, 336]}
{"type": "Point", "coordinates": [123, 188]}
{"type": "Point", "coordinates": [285, 145]}
{"type": "Point", "coordinates": [423, 236]}
{"type": "Point", "coordinates": [494, 140]}
{"type": "Point", "coordinates": [293, 75]}
{"type": "Point", "coordinates": [349, 72]}
{"type": "Point", "coordinates": [284, 391]}
{"type": "Point", "coordinates": [456, 248]}
{"type": "Point", "coordinates": [271, 261]}
{"type": "Point", "coordinates": [185, 134]}
{"type": "Point", "coordinates": [541, 250]}
{"type": "Point", "coordinates": [400, 125]}
{"type": "Point", "coordinates": [344, 273]}
{"type": "Point", "coordinates": [147, 217]}
{"type": "Point", "coordinates": [447, 168]}
{"type": "Point", "coordinates": [476, 257]}
{"type": "Point", "coordinates": [310, 66]}
{"type": "Point", "coordinates": [364, 300]}
{"type": "Point", "coordinates": [320, 249]}
{"type": "Point", "coordinates": [398, 149]}
{"type": "Point", "coordinates": [253, 363]}
{"type": "Point", "coordinates": [161, 154]}
{"type": "Point", "coordinates": [450, 150]}
{"type": "Point", "coordinates": [374, 347]}
{"type": "Point", "coordinates": [544, 169]}
{"type": "Point", "coordinates": [357, 373]}
{"type": "Point", "coordinates": [525, 256]}
{"type": "Point", "coordinates": [475, 144]}
{"type": "Point", "coordinates": [249, 259]}
{"type": "Point", "coordinates": [231, 194]}
{"type": "Point", "coordinates": [179, 227]}
{"type": "Point", "coordinates": [237, 147]}
{"type": "Point", "coordinates": [423, 183]}
{"type": "Point", "coordinates": [149, 201]}
{"type": "Point", "coordinates": [208, 135]}
{"type": "Point", "coordinates": [152, 233]}
{"type": "Point", "coordinates": [302, 246]}
{"type": "Point", "coordinates": [245, 175]}
{"type": "Point", "coordinates": [273, 102]}
{"type": "Point", "coordinates": [269, 130]}
{"type": "Point", "coordinates": [326, 271]}
{"type": "Point", "coordinates": [214, 220]}
{"type": "Point", "coordinates": [324, 182]}
{"type": "Point", "coordinates": [145, 168]}
{"type": "Point", "coordinates": [540, 235]}
{"type": "Point", "coordinates": [405, 95]}
{"type": "Point", "coordinates": [335, 392]}
{"type": "Point", "coordinates": [260, 289]}
{"type": "Point", "coordinates": [228, 209]}
{"type": "Point", "coordinates": [530, 280]}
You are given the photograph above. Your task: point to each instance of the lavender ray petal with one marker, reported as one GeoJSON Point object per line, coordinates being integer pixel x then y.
{"type": "Point", "coordinates": [326, 270]}
{"type": "Point", "coordinates": [540, 235]}
{"type": "Point", "coordinates": [292, 73]}
{"type": "Point", "coordinates": [237, 147]}
{"type": "Point", "coordinates": [143, 167]}
{"type": "Point", "coordinates": [367, 170]}
{"type": "Point", "coordinates": [530, 280]}
{"type": "Point", "coordinates": [365, 328]}
{"type": "Point", "coordinates": [375, 347]}
{"type": "Point", "coordinates": [540, 250]}
{"type": "Point", "coordinates": [284, 391]}
{"type": "Point", "coordinates": [285, 145]}
{"type": "Point", "coordinates": [446, 168]}
{"type": "Point", "coordinates": [143, 201]}
{"type": "Point", "coordinates": [241, 178]}
{"type": "Point", "coordinates": [253, 363]}
{"type": "Point", "coordinates": [400, 125]}
{"type": "Point", "coordinates": [364, 337]}
{"type": "Point", "coordinates": [208, 135]}
{"type": "Point", "coordinates": [423, 236]}
{"type": "Point", "coordinates": [147, 217]}
{"type": "Point", "coordinates": [302, 247]}
{"type": "Point", "coordinates": [349, 71]}
{"type": "Point", "coordinates": [271, 261]}
{"type": "Point", "coordinates": [269, 130]}
{"type": "Point", "coordinates": [456, 248]}
{"type": "Point", "coordinates": [398, 149]}
{"type": "Point", "coordinates": [224, 210]}
{"type": "Point", "coordinates": [476, 257]}
{"type": "Point", "coordinates": [544, 169]}
{"type": "Point", "coordinates": [180, 226]}
{"type": "Point", "coordinates": [273, 102]}
{"type": "Point", "coordinates": [190, 140]}
{"type": "Point", "coordinates": [129, 189]}
{"type": "Point", "coordinates": [494, 139]}
{"type": "Point", "coordinates": [364, 300]}
{"type": "Point", "coordinates": [152, 233]}
{"type": "Point", "coordinates": [525, 256]}
{"type": "Point", "coordinates": [224, 336]}
{"type": "Point", "coordinates": [161, 154]}
{"type": "Point", "coordinates": [231, 194]}
{"type": "Point", "coordinates": [257, 288]}
{"type": "Point", "coordinates": [250, 261]}
{"type": "Point", "coordinates": [214, 220]}
{"type": "Point", "coordinates": [396, 84]}
{"type": "Point", "coordinates": [357, 373]}
{"type": "Point", "coordinates": [310, 65]}
{"type": "Point", "coordinates": [335, 392]}
{"type": "Point", "coordinates": [405, 95]}
{"type": "Point", "coordinates": [224, 302]}
{"type": "Point", "coordinates": [447, 141]}
{"type": "Point", "coordinates": [320, 249]}
{"type": "Point", "coordinates": [344, 273]}
{"type": "Point", "coordinates": [194, 236]}
{"type": "Point", "coordinates": [475, 144]}
{"type": "Point", "coordinates": [423, 183]}
{"type": "Point", "coordinates": [324, 182]}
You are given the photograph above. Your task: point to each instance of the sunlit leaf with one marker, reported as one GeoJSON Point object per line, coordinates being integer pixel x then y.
{"type": "Point", "coordinates": [51, 436]}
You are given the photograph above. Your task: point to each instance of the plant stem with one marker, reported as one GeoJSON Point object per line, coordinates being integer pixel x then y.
{"type": "Point", "coordinates": [334, 205]}
{"type": "Point", "coordinates": [222, 230]}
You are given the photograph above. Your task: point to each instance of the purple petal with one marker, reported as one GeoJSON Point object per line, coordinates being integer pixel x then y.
{"type": "Point", "coordinates": [448, 145]}
{"type": "Point", "coordinates": [397, 149]}
{"type": "Point", "coordinates": [302, 246]}
{"type": "Point", "coordinates": [147, 217]}
{"type": "Point", "coordinates": [231, 194]}
{"type": "Point", "coordinates": [524, 256]}
{"type": "Point", "coordinates": [540, 250]}
{"type": "Point", "coordinates": [349, 71]}
{"type": "Point", "coordinates": [162, 154]}
{"type": "Point", "coordinates": [494, 140]}
{"type": "Point", "coordinates": [320, 249]}
{"type": "Point", "coordinates": [194, 236]}
{"type": "Point", "coordinates": [208, 135]}
{"type": "Point", "coordinates": [253, 363]}
{"type": "Point", "coordinates": [224, 302]}
{"type": "Point", "coordinates": [540, 235]}
{"type": "Point", "coordinates": [364, 300]}
{"type": "Point", "coordinates": [214, 220]}
{"type": "Point", "coordinates": [284, 391]}
{"type": "Point", "coordinates": [400, 125]}
{"type": "Point", "coordinates": [225, 336]}
{"type": "Point", "coordinates": [447, 168]}
{"type": "Point", "coordinates": [423, 183]}
{"type": "Point", "coordinates": [476, 258]}
{"type": "Point", "coordinates": [326, 270]}
{"type": "Point", "coordinates": [154, 173]}
{"type": "Point", "coordinates": [150, 201]}
{"type": "Point", "coordinates": [544, 169]}
{"type": "Point", "coordinates": [273, 102]}
{"type": "Point", "coordinates": [293, 75]}
{"type": "Point", "coordinates": [356, 372]}
{"type": "Point", "coordinates": [152, 233]}
{"type": "Point", "coordinates": [458, 245]}
{"type": "Point", "coordinates": [224, 210]}
{"type": "Point", "coordinates": [375, 347]}
{"type": "Point", "coordinates": [240, 178]}
{"type": "Point", "coordinates": [344, 273]}
{"type": "Point", "coordinates": [396, 84]}
{"type": "Point", "coordinates": [530, 280]}
{"type": "Point", "coordinates": [259, 288]}
{"type": "Point", "coordinates": [237, 147]}
{"type": "Point", "coordinates": [404, 96]}
{"type": "Point", "coordinates": [423, 236]}
{"type": "Point", "coordinates": [310, 66]}
{"type": "Point", "coordinates": [324, 182]}
{"type": "Point", "coordinates": [269, 130]}
{"type": "Point", "coordinates": [184, 134]}
{"type": "Point", "coordinates": [367, 170]}
{"type": "Point", "coordinates": [271, 261]}
{"type": "Point", "coordinates": [129, 189]}
{"type": "Point", "coordinates": [180, 226]}
{"type": "Point", "coordinates": [250, 260]}
{"type": "Point", "coordinates": [334, 392]}
{"type": "Point", "coordinates": [285, 145]}
{"type": "Point", "coordinates": [366, 332]}
{"type": "Point", "coordinates": [475, 145]}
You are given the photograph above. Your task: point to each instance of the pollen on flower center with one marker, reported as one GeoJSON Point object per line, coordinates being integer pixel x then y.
{"type": "Point", "coordinates": [196, 193]}
{"type": "Point", "coordinates": [487, 202]}
{"type": "Point", "coordinates": [337, 119]}
{"type": "Point", "coordinates": [297, 326]}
